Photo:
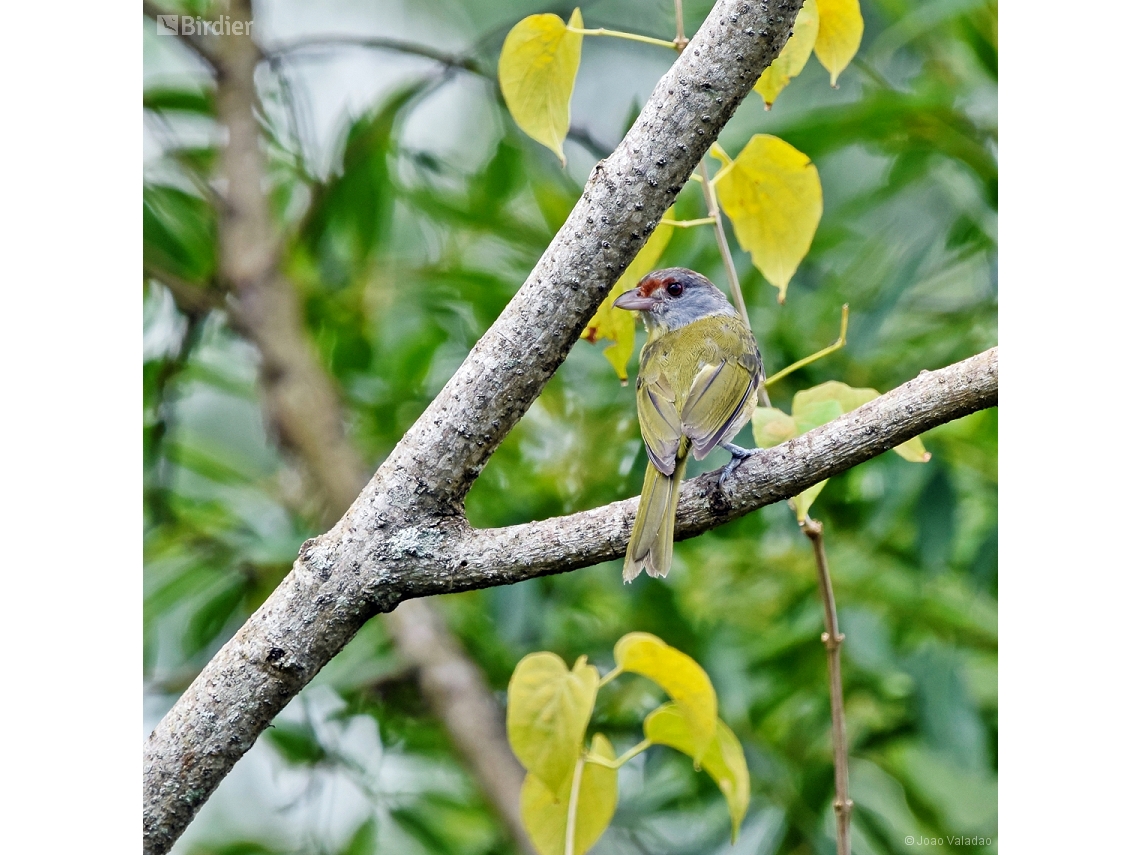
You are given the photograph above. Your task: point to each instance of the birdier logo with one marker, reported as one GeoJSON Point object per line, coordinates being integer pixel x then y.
{"type": "Point", "coordinates": [187, 25]}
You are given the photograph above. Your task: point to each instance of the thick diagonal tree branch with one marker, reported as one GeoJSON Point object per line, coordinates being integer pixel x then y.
{"type": "Point", "coordinates": [405, 535]}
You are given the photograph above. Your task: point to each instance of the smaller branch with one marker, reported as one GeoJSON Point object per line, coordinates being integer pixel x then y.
{"type": "Point", "coordinates": [572, 807]}
{"type": "Point", "coordinates": [464, 63]}
{"type": "Point", "coordinates": [709, 190]}
{"type": "Point", "coordinates": [722, 243]}
{"type": "Point", "coordinates": [819, 354]}
{"type": "Point", "coordinates": [292, 118]}
{"type": "Point", "coordinates": [617, 34]}
{"type": "Point", "coordinates": [714, 210]}
{"type": "Point", "coordinates": [681, 41]}
{"type": "Point", "coordinates": [833, 640]}
{"type": "Point", "coordinates": [278, 54]}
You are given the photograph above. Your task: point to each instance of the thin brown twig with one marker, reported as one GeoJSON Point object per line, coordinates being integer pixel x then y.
{"type": "Point", "coordinates": [833, 640]}
{"type": "Point", "coordinates": [681, 41]}
{"type": "Point", "coordinates": [466, 63]}
{"type": "Point", "coordinates": [276, 54]}
{"type": "Point", "coordinates": [722, 243]}
{"type": "Point", "coordinates": [711, 203]}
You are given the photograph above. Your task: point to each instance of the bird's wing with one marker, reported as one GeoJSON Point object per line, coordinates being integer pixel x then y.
{"type": "Point", "coordinates": [716, 401]}
{"type": "Point", "coordinates": [660, 421]}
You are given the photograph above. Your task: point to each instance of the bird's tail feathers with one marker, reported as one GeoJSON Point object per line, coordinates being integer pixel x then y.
{"type": "Point", "coordinates": [651, 542]}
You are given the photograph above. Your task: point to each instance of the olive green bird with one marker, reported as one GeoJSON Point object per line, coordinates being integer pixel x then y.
{"type": "Point", "coordinates": [697, 386]}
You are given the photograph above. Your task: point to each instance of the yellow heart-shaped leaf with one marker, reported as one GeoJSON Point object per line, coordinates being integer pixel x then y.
{"type": "Point", "coordinates": [793, 57]}
{"type": "Point", "coordinates": [840, 31]}
{"type": "Point", "coordinates": [537, 68]}
{"type": "Point", "coordinates": [724, 759]}
{"type": "Point", "coordinates": [679, 675]}
{"type": "Point", "coordinates": [618, 325]}
{"type": "Point", "coordinates": [548, 708]}
{"type": "Point", "coordinates": [544, 814]}
{"type": "Point", "coordinates": [772, 194]}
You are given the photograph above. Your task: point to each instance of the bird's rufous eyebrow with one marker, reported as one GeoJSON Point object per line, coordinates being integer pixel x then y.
{"type": "Point", "coordinates": [652, 284]}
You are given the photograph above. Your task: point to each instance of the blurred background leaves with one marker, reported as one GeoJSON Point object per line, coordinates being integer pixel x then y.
{"type": "Point", "coordinates": [410, 210]}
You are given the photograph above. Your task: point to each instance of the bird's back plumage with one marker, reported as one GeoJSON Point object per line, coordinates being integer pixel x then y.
{"type": "Point", "coordinates": [696, 388]}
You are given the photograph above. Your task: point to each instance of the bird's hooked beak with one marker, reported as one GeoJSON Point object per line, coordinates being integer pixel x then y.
{"type": "Point", "coordinates": [633, 301]}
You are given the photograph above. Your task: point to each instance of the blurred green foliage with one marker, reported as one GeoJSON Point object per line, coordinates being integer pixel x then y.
{"type": "Point", "coordinates": [404, 255]}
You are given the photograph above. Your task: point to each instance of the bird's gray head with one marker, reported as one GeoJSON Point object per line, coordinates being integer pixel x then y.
{"type": "Point", "coordinates": [671, 298]}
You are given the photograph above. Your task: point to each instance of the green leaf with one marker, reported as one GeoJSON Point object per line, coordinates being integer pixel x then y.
{"type": "Point", "coordinates": [833, 390]}
{"type": "Point", "coordinates": [723, 760]}
{"type": "Point", "coordinates": [363, 840]}
{"type": "Point", "coordinates": [771, 426]}
{"type": "Point", "coordinates": [443, 823]}
{"type": "Point", "coordinates": [679, 675]}
{"type": "Point", "coordinates": [618, 325]}
{"type": "Point", "coordinates": [772, 194]}
{"type": "Point", "coordinates": [548, 708]}
{"type": "Point", "coordinates": [179, 233]}
{"type": "Point", "coordinates": [840, 31]}
{"type": "Point", "coordinates": [241, 847]}
{"type": "Point", "coordinates": [537, 68]}
{"type": "Point", "coordinates": [545, 813]}
{"type": "Point", "coordinates": [211, 617]}
{"type": "Point", "coordinates": [802, 502]}
{"type": "Point", "coordinates": [350, 215]}
{"type": "Point", "coordinates": [850, 399]}
{"type": "Point", "coordinates": [297, 743]}
{"type": "Point", "coordinates": [793, 57]}
{"type": "Point", "coordinates": [162, 99]}
{"type": "Point", "coordinates": [812, 414]}
{"type": "Point", "coordinates": [812, 408]}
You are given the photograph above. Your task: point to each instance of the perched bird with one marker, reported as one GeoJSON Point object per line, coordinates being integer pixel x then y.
{"type": "Point", "coordinates": [697, 385]}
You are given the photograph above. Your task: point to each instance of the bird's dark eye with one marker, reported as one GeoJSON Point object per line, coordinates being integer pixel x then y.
{"type": "Point", "coordinates": [674, 289]}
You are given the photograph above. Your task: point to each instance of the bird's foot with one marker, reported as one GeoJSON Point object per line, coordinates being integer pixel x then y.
{"type": "Point", "coordinates": [739, 455]}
